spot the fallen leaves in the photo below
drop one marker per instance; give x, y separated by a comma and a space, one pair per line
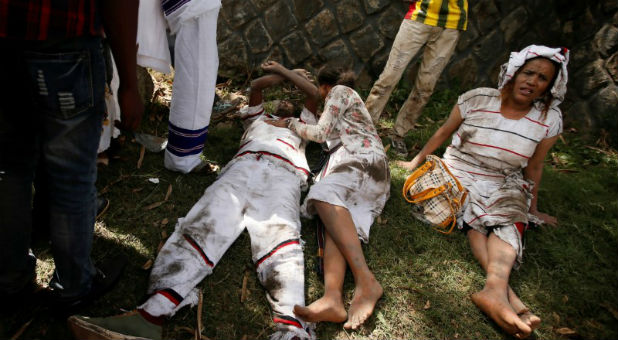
427, 305
21, 330
565, 331
147, 265
140, 161
244, 293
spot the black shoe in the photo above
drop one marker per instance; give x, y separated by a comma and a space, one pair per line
102, 206
107, 275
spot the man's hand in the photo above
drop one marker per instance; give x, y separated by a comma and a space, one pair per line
303, 73
273, 66
131, 109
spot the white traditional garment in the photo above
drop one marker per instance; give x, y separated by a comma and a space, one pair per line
152, 46
258, 190
356, 175
112, 111
196, 62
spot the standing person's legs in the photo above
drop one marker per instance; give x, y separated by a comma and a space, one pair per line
69, 78
410, 38
196, 63
340, 226
18, 125
439, 49
493, 299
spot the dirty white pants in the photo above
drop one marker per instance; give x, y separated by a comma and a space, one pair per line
255, 193
412, 35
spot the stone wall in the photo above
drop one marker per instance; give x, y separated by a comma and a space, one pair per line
359, 33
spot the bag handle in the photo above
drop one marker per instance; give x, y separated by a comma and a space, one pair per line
415, 175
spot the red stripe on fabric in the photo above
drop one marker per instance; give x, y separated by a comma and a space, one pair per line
157, 320
169, 297
81, 19
44, 20
199, 250
276, 156
537, 122
272, 252
32, 20
245, 143
287, 322
288, 144
486, 111
521, 227
499, 148
4, 10
411, 10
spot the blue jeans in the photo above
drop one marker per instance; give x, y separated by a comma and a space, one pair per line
51, 111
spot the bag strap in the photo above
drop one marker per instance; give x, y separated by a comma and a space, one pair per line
427, 194
454, 218
414, 176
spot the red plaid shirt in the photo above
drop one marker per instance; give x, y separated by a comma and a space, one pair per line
49, 19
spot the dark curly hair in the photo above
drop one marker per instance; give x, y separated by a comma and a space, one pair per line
333, 75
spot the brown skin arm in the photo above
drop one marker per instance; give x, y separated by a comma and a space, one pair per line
534, 172
439, 137
259, 84
120, 23
299, 78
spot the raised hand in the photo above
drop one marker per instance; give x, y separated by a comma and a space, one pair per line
273, 66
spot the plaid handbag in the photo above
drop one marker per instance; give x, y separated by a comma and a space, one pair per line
436, 194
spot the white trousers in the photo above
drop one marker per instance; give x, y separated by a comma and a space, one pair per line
196, 63
263, 197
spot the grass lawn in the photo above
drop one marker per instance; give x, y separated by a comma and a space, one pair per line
569, 276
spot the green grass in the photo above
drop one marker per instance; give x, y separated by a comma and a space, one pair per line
569, 276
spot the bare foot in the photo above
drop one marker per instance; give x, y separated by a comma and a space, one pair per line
529, 319
365, 298
323, 309
499, 310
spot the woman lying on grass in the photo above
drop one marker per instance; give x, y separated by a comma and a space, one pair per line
500, 139
350, 192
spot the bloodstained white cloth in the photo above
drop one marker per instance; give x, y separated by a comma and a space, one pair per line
256, 191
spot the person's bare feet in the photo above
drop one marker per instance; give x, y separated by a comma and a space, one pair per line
324, 309
529, 319
365, 298
498, 309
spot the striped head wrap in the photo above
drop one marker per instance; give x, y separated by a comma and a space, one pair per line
518, 59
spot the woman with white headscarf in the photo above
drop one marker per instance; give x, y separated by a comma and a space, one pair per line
500, 138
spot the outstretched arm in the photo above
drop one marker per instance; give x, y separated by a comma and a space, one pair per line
300, 79
444, 132
259, 84
534, 172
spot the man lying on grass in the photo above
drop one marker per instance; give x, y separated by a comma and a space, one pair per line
259, 189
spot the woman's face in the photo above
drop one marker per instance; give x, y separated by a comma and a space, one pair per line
324, 89
532, 80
